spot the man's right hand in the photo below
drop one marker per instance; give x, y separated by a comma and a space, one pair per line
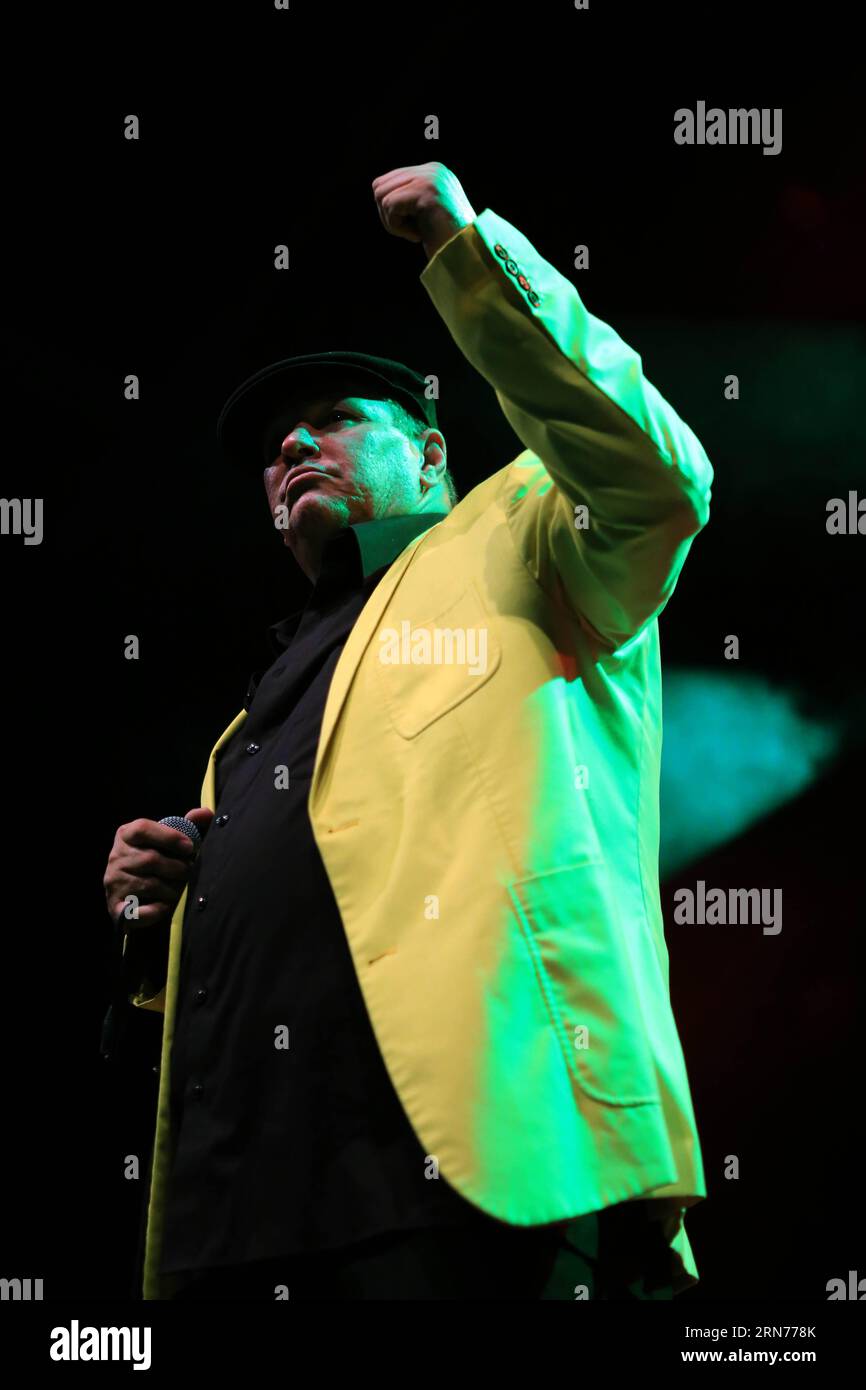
154, 863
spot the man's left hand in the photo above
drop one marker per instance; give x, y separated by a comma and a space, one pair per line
422, 202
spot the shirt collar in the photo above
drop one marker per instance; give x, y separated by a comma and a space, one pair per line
359, 550
381, 541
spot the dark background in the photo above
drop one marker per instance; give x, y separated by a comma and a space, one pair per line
156, 258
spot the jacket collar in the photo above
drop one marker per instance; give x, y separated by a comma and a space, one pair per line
356, 552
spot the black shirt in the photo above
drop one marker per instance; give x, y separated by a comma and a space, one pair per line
289, 1135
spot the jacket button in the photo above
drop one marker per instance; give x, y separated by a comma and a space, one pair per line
523, 282
253, 747
197, 1091
221, 820
201, 995
200, 903
533, 298
501, 251
512, 267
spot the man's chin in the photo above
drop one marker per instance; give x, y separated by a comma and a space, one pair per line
313, 514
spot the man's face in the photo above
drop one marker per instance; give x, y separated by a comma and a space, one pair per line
339, 458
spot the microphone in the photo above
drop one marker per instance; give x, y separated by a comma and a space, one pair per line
186, 827
110, 1027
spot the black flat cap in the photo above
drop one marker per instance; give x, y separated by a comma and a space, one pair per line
249, 414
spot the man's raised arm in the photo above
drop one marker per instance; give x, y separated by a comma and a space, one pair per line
597, 434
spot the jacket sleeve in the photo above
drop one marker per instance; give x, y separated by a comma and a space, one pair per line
146, 950
139, 975
144, 966
597, 434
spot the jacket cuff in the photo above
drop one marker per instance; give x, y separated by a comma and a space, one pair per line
144, 968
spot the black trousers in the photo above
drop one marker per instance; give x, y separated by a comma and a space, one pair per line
614, 1254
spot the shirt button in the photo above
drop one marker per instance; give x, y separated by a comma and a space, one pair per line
253, 748
200, 903
201, 995
197, 1091
221, 820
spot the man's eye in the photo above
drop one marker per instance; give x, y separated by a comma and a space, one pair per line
340, 412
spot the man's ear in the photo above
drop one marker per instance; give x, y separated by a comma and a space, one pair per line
435, 460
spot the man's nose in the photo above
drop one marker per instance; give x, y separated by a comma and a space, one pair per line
298, 444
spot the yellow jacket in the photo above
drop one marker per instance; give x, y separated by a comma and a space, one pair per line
490, 827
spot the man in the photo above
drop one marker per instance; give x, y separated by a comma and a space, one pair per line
417, 1029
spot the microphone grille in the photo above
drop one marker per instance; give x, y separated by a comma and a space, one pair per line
186, 827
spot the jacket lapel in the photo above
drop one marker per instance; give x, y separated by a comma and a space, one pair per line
208, 789
350, 657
